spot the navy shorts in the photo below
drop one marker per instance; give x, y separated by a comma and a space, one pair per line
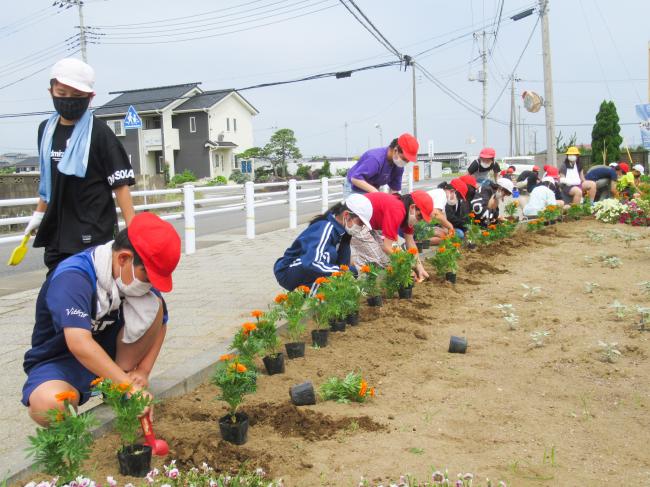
67, 368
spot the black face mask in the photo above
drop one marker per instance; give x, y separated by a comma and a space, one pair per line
71, 108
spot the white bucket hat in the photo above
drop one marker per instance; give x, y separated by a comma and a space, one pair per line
506, 184
74, 73
639, 167
360, 206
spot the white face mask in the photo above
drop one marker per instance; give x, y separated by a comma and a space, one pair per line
354, 230
572, 158
136, 288
397, 160
413, 218
451, 198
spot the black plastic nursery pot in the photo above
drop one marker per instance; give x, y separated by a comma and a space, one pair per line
405, 292
134, 460
420, 246
319, 338
546, 223
237, 432
303, 394
471, 245
426, 244
337, 325
274, 363
352, 319
450, 277
375, 301
457, 345
295, 349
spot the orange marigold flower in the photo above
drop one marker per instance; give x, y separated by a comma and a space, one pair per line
472, 215
304, 289
441, 249
227, 357
344, 268
389, 269
320, 297
396, 250
492, 227
248, 327
516, 203
337, 274
413, 251
365, 268
371, 392
124, 387
59, 416
477, 221
363, 388
66, 396
322, 280
281, 298
237, 367
486, 234
256, 313
97, 381
532, 222
456, 244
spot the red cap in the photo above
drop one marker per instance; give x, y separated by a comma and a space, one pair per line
469, 180
409, 146
552, 171
502, 173
424, 203
159, 247
535, 168
510, 170
488, 153
460, 186
623, 166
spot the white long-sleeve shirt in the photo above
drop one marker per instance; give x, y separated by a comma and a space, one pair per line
540, 197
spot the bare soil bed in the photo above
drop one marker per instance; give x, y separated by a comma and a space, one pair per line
555, 415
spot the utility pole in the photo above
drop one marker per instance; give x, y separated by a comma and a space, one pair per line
415, 117
551, 150
82, 29
484, 81
346, 141
519, 139
513, 116
648, 71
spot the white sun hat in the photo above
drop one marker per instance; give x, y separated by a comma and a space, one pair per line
360, 206
74, 73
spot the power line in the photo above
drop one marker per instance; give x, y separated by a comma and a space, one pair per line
31, 21
377, 36
593, 45
392, 48
2, 87
37, 54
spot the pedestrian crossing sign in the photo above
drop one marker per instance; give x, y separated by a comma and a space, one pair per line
132, 119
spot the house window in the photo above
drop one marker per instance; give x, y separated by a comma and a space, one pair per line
192, 124
152, 123
234, 124
160, 165
227, 125
117, 127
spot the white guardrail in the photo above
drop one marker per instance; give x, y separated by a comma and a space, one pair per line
324, 190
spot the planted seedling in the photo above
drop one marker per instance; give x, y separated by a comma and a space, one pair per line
645, 287
611, 261
509, 315
531, 291
595, 236
506, 309
588, 259
609, 351
645, 317
590, 287
538, 337
619, 308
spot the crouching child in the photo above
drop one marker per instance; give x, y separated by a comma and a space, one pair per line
100, 314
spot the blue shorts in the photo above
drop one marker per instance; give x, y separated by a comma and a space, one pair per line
67, 368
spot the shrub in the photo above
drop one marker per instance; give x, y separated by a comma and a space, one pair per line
218, 181
343, 172
186, 176
326, 171
238, 177
304, 171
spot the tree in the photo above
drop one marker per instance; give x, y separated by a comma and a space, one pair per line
326, 171
281, 147
253, 152
606, 135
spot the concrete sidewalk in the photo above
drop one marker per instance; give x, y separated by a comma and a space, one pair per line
214, 291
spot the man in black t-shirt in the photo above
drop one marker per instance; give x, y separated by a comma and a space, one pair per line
484, 168
77, 211
528, 179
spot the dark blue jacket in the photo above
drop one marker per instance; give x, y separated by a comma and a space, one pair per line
321, 248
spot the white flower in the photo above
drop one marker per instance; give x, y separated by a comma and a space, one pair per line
437, 476
260, 472
166, 485
111, 481
31, 484
173, 473
129, 485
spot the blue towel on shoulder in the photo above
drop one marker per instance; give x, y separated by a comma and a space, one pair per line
75, 158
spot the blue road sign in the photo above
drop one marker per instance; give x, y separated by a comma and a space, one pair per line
132, 119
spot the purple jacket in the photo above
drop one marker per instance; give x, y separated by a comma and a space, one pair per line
374, 168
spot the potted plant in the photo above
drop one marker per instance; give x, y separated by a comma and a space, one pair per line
350, 295
292, 308
352, 388
247, 343
445, 260
128, 405
320, 311
62, 448
370, 283
235, 380
511, 210
267, 336
423, 231
335, 293
399, 274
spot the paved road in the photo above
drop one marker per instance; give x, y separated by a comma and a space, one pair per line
30, 273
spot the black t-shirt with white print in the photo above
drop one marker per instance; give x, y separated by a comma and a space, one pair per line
81, 212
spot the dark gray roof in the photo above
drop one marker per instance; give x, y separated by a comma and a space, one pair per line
203, 100
145, 99
221, 144
30, 161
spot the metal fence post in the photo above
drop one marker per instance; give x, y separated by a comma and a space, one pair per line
325, 198
249, 195
410, 178
188, 214
293, 204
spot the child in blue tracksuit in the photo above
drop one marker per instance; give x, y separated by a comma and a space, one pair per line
324, 245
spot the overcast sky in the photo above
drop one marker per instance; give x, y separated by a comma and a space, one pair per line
599, 51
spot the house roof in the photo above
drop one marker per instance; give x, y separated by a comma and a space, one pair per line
208, 99
29, 161
146, 99
212, 143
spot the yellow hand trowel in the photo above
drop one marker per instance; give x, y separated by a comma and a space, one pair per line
19, 252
